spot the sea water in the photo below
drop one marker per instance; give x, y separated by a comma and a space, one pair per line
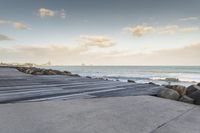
181, 75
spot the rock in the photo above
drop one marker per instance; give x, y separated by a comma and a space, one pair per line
180, 89
186, 99
169, 94
198, 84
192, 89
51, 72
151, 83
67, 73
131, 81
37, 73
75, 75
196, 96
88, 77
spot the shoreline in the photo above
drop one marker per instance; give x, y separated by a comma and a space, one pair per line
173, 92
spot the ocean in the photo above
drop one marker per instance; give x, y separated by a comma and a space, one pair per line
179, 75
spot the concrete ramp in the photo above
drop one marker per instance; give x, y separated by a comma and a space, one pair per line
133, 114
17, 87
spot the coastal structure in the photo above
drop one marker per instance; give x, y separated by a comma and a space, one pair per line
60, 103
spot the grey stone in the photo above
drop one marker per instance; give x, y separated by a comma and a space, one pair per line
196, 96
192, 89
130, 81
186, 99
169, 94
198, 84
179, 88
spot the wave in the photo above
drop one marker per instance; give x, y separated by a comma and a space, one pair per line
175, 79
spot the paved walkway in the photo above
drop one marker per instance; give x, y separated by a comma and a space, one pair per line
17, 87
131, 114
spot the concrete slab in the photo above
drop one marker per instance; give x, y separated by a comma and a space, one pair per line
189, 122
134, 114
10, 72
16, 86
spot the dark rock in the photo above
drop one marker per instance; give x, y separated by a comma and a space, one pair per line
198, 84
75, 75
88, 77
67, 73
196, 96
39, 71
186, 99
131, 81
169, 94
180, 89
151, 83
192, 89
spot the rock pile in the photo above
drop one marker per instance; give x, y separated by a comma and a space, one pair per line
41, 71
190, 94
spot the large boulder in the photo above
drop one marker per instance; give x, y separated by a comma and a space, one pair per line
196, 96
169, 94
198, 84
180, 89
186, 99
192, 89
67, 72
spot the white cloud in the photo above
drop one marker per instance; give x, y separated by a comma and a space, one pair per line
62, 14
141, 30
44, 12
188, 18
98, 41
5, 38
169, 29
190, 29
20, 26
15, 24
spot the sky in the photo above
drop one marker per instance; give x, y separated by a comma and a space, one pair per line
100, 32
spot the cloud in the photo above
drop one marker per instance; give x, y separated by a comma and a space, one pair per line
172, 29
15, 24
169, 29
5, 38
68, 55
190, 29
62, 14
3, 22
188, 18
44, 12
20, 26
188, 55
98, 41
141, 30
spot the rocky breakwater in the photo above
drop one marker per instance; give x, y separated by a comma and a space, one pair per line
42, 71
190, 94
